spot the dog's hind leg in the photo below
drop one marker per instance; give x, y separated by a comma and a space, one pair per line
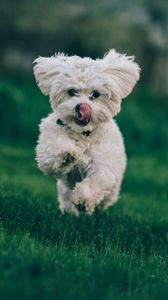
64, 198
111, 198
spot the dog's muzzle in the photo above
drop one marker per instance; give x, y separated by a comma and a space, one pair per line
82, 114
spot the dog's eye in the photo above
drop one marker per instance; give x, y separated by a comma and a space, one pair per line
94, 95
72, 92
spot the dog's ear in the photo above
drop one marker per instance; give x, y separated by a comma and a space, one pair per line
43, 73
123, 72
46, 69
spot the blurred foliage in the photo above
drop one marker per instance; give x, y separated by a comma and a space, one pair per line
21, 108
29, 29
87, 28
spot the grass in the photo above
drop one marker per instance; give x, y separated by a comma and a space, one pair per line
119, 255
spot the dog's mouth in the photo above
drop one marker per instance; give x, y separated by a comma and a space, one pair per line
82, 114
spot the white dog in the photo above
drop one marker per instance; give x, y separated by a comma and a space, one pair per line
79, 141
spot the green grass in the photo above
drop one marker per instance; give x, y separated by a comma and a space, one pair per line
121, 254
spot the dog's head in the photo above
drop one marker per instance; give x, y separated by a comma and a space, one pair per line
86, 92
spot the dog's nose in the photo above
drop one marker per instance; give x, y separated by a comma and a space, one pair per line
83, 112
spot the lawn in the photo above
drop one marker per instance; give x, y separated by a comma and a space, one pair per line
121, 254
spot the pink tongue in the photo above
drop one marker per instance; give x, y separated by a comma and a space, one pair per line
85, 112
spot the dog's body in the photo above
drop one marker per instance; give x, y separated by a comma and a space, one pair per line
79, 142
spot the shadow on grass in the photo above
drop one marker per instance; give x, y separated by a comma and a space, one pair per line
21, 213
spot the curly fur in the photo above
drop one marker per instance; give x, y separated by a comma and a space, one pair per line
89, 168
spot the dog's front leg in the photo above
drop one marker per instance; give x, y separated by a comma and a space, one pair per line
56, 153
55, 160
88, 193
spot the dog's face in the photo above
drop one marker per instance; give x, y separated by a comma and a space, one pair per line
86, 92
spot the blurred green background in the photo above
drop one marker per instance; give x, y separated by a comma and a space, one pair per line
122, 254
88, 28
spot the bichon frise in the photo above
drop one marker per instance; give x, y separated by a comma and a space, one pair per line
79, 141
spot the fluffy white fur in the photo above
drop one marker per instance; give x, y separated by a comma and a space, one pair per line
89, 169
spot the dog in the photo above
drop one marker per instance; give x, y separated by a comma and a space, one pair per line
79, 142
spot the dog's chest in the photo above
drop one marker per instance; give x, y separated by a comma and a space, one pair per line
86, 143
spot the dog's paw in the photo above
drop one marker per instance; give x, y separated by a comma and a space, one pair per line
83, 199
84, 205
68, 161
68, 207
